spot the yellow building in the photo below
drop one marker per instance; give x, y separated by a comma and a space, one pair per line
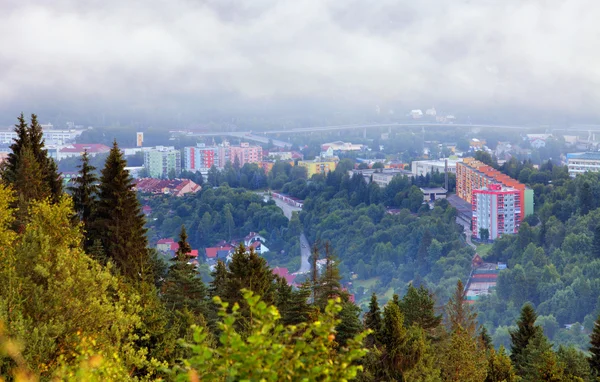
317, 167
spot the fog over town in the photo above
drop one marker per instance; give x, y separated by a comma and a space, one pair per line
185, 62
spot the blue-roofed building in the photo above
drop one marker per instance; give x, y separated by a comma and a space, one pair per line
579, 163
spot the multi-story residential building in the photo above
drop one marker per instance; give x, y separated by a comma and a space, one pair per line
472, 174
496, 209
579, 163
317, 166
200, 158
424, 167
382, 177
161, 161
245, 153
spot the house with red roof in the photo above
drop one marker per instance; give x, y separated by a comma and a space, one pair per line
164, 245
256, 241
176, 187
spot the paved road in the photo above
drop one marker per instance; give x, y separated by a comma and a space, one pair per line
287, 209
467, 227
304, 244
304, 255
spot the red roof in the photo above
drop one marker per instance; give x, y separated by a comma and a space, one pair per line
211, 253
174, 246
194, 253
283, 272
172, 186
147, 209
166, 241
255, 244
89, 147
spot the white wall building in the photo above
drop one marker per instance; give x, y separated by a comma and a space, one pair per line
424, 167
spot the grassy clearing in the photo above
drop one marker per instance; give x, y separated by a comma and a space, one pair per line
483, 249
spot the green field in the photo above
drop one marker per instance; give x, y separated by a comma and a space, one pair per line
483, 250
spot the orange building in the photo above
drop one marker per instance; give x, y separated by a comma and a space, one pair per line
472, 174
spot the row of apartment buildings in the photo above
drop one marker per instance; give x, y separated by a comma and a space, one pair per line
499, 203
161, 161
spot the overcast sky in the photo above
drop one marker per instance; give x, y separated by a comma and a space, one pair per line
144, 55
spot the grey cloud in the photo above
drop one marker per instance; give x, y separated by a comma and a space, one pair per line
151, 54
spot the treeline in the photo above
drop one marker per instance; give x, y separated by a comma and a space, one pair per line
216, 214
414, 243
553, 261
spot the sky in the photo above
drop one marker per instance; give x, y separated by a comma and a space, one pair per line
187, 57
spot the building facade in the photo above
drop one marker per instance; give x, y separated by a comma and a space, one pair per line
472, 174
579, 163
162, 161
199, 158
424, 167
497, 209
317, 167
245, 153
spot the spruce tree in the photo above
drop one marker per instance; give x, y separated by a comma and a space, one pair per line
29, 147
328, 284
183, 289
485, 339
118, 221
248, 270
84, 192
9, 167
349, 325
299, 310
29, 185
49, 168
220, 278
418, 306
595, 348
520, 337
458, 313
373, 321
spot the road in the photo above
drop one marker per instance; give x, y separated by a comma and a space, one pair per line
304, 244
467, 227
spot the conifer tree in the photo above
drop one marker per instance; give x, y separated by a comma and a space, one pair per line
394, 336
538, 362
459, 314
48, 165
29, 185
300, 310
596, 242
462, 359
595, 348
84, 191
520, 337
220, 279
485, 339
9, 167
373, 321
328, 284
248, 270
183, 289
28, 147
418, 306
499, 367
349, 325
118, 222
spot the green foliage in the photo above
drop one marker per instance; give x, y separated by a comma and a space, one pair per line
53, 295
521, 337
118, 222
84, 191
418, 306
270, 351
594, 348
499, 368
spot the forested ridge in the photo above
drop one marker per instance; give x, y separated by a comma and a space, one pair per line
82, 297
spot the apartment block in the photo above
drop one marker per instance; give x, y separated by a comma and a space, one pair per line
245, 153
472, 174
317, 167
579, 163
200, 158
497, 209
161, 161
